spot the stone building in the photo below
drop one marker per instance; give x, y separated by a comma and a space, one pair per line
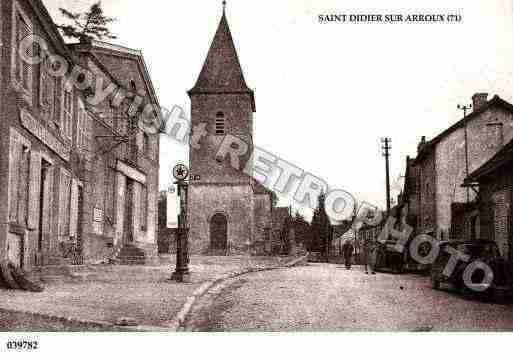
64, 199
442, 162
410, 195
494, 183
228, 212
122, 167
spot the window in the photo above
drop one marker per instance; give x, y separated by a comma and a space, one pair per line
46, 90
144, 207
146, 144
67, 112
19, 171
121, 121
220, 124
83, 127
21, 71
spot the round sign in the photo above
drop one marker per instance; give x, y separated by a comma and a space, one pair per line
180, 172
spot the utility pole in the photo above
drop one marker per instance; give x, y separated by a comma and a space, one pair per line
465, 109
386, 147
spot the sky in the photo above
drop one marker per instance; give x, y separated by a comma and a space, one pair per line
326, 93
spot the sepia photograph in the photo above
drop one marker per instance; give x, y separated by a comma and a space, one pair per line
337, 168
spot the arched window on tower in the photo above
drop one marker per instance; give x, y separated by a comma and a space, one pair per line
220, 124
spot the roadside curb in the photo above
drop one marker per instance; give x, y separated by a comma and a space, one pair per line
177, 323
62, 320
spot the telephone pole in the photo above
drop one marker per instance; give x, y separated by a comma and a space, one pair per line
386, 147
465, 109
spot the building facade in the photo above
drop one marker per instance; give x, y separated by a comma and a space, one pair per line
442, 162
227, 211
64, 199
494, 205
122, 212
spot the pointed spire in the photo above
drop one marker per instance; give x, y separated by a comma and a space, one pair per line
222, 72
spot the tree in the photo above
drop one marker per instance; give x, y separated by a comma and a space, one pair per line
321, 228
302, 231
87, 25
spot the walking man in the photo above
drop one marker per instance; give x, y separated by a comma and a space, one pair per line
367, 255
348, 249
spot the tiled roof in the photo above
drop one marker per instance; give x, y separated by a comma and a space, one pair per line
222, 72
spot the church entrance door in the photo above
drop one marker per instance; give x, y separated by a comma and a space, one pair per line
219, 233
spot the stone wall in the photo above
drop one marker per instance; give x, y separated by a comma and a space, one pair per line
427, 198
238, 114
483, 143
234, 201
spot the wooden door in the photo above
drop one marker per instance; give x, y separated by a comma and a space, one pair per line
128, 217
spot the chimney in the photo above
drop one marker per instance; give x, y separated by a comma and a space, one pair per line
421, 144
479, 100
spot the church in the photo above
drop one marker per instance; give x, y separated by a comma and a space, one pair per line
228, 211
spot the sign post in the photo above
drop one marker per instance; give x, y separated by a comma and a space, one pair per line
181, 273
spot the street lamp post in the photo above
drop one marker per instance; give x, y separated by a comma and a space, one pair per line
181, 273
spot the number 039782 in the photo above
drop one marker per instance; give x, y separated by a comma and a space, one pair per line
22, 345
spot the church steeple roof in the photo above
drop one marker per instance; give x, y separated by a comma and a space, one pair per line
221, 72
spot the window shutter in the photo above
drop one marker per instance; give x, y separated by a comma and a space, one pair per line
43, 88
23, 185
19, 38
51, 93
73, 218
67, 112
80, 125
144, 207
14, 168
34, 190
24, 31
64, 203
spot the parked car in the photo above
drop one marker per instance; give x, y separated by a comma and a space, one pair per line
315, 257
478, 250
386, 256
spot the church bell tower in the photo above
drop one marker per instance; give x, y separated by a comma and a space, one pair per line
220, 197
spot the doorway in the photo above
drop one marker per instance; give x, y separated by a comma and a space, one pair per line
43, 211
219, 232
78, 258
128, 236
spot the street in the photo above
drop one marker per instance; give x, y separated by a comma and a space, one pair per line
329, 297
